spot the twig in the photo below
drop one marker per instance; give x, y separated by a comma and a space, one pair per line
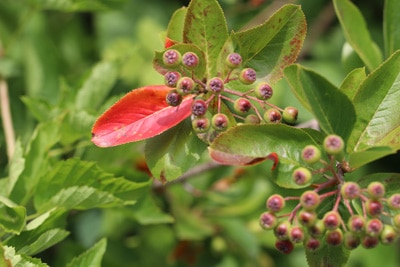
6, 118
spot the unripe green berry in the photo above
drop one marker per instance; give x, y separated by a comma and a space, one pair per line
301, 176
388, 235
333, 144
215, 85
248, 76
309, 200
268, 221
317, 230
351, 240
275, 203
242, 105
220, 122
290, 114
334, 237
376, 190
185, 85
272, 116
172, 57
263, 91
199, 107
331, 220
171, 78
252, 119
350, 190
201, 125
396, 221
173, 98
311, 154
233, 60
190, 60
394, 201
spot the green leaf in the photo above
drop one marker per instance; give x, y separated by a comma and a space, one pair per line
176, 25
97, 86
40, 109
360, 158
332, 108
82, 185
332, 256
16, 166
78, 5
44, 241
391, 22
356, 33
377, 108
205, 26
275, 44
172, 153
17, 260
147, 212
352, 81
12, 216
258, 141
92, 257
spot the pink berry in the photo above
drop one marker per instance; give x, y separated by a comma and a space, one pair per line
374, 227
171, 78
199, 107
248, 76
275, 203
376, 190
268, 220
350, 190
263, 91
331, 220
201, 125
242, 105
282, 230
301, 176
356, 224
233, 60
333, 144
311, 154
215, 85
296, 234
220, 122
185, 85
173, 98
394, 202
307, 218
190, 60
172, 57
309, 200
374, 207
272, 115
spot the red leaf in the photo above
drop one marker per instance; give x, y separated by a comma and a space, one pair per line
169, 42
140, 114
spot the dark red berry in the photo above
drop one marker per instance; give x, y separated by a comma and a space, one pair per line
233, 60
263, 91
220, 122
275, 203
376, 190
374, 207
215, 85
172, 57
312, 244
242, 105
350, 190
333, 144
171, 78
282, 230
301, 176
374, 227
311, 154
272, 115
369, 241
388, 235
284, 246
290, 114
317, 230
394, 202
199, 107
307, 218
173, 98
190, 60
296, 234
334, 237
268, 221
248, 76
201, 125
185, 85
351, 240
356, 224
309, 200
331, 220
252, 119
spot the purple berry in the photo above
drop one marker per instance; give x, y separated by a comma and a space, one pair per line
248, 76
201, 125
190, 60
309, 200
173, 98
301, 176
185, 85
268, 221
242, 105
215, 85
233, 60
331, 220
275, 203
290, 114
220, 122
272, 115
311, 154
284, 246
172, 57
376, 190
199, 107
333, 144
350, 190
263, 91
394, 202
171, 78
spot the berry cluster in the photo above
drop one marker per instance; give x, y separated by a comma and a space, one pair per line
359, 216
245, 106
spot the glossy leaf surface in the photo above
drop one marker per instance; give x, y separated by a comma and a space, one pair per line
140, 114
